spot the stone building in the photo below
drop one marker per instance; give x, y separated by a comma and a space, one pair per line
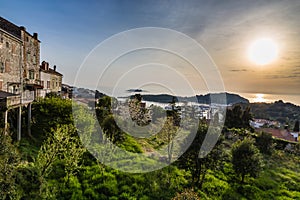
51, 80
10, 57
19, 61
19, 69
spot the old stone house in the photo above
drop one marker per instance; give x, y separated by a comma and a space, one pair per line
19, 61
51, 80
20, 81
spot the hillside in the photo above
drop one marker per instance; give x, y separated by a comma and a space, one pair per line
278, 110
204, 99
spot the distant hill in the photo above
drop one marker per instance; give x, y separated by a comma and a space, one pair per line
278, 110
205, 99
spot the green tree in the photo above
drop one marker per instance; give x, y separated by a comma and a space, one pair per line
49, 112
62, 145
296, 127
246, 159
107, 120
9, 161
238, 118
264, 142
199, 166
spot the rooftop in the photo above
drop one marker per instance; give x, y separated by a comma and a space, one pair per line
10, 27
51, 71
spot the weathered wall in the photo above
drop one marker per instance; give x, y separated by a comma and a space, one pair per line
10, 61
31, 57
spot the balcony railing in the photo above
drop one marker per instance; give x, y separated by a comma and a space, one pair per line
33, 81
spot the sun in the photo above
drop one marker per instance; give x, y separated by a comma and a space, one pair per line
263, 51
259, 98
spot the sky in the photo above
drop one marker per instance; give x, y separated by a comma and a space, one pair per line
71, 31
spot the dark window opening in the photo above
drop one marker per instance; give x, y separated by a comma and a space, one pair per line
31, 74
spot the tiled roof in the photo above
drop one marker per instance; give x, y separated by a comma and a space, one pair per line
10, 27
283, 134
51, 71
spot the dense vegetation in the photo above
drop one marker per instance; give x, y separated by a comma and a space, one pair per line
53, 164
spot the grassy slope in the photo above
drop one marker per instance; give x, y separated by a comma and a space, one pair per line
279, 180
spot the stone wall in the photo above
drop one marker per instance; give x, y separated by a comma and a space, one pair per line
31, 57
10, 62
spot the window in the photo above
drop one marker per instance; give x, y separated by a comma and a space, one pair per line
1, 38
42, 83
34, 59
28, 56
48, 84
7, 45
13, 48
27, 39
1, 67
31, 74
7, 66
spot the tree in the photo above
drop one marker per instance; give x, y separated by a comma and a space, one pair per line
264, 142
199, 166
246, 159
107, 121
296, 127
62, 145
9, 160
48, 113
238, 118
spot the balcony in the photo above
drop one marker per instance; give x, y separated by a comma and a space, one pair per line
8, 100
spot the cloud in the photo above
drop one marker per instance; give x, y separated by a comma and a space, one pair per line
294, 76
136, 90
238, 70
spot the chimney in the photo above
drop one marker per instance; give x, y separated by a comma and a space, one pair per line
43, 65
35, 36
22, 28
54, 67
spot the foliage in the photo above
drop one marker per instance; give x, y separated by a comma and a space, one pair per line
56, 166
9, 160
47, 113
278, 110
246, 159
62, 144
238, 118
264, 142
107, 121
296, 127
61, 147
198, 166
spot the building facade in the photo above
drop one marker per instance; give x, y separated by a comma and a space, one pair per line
51, 80
10, 58
20, 75
19, 61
